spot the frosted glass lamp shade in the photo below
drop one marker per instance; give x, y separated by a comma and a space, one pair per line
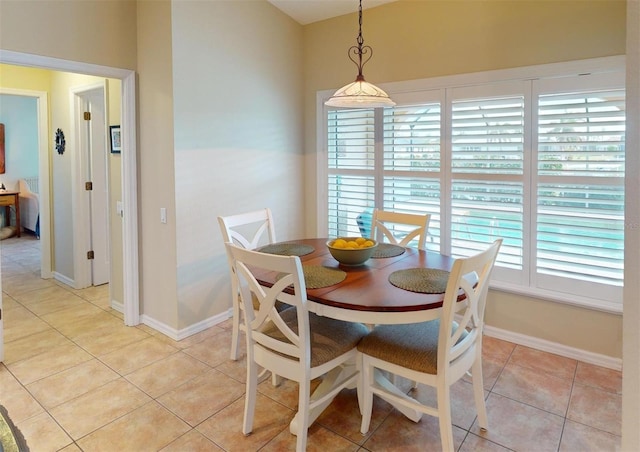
360, 94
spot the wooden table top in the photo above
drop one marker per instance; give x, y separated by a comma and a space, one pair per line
366, 295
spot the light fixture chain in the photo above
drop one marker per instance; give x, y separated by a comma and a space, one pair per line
360, 50
360, 39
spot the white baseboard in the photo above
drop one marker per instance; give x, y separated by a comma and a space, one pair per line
118, 306
178, 335
64, 280
555, 348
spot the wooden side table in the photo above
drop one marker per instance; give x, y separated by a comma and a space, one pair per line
8, 199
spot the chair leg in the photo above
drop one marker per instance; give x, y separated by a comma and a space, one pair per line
235, 333
366, 406
250, 396
360, 382
444, 415
478, 392
304, 396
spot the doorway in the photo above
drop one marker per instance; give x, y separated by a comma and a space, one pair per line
131, 302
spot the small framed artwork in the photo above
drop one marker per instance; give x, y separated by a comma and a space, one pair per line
2, 163
116, 142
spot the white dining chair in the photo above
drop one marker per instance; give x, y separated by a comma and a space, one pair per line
392, 227
248, 230
436, 353
293, 343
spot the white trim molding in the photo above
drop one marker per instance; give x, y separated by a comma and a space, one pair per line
178, 335
555, 348
63, 279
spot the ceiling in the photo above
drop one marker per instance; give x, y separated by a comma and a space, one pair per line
309, 11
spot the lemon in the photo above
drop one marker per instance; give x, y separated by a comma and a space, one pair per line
340, 243
360, 240
368, 244
352, 244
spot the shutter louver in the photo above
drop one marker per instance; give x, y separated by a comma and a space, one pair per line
351, 139
481, 212
487, 163
581, 134
581, 232
580, 217
487, 135
350, 165
412, 138
417, 196
412, 143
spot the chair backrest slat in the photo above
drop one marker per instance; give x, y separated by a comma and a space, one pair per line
290, 289
470, 278
248, 229
386, 224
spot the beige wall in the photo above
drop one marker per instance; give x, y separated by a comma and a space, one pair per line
414, 40
238, 136
572, 326
98, 32
156, 189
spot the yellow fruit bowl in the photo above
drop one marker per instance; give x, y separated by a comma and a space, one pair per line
351, 250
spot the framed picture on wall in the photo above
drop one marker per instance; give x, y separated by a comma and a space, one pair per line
116, 142
2, 168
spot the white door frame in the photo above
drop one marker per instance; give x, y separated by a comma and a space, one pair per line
81, 217
131, 280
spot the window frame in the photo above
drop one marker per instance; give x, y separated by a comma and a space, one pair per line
416, 91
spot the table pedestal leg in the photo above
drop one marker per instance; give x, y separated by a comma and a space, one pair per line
383, 382
333, 378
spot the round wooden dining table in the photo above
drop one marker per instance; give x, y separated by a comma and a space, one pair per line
366, 295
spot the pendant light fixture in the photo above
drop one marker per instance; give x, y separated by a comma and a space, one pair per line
360, 94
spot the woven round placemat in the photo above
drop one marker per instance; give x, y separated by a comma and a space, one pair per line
387, 250
317, 276
287, 249
421, 280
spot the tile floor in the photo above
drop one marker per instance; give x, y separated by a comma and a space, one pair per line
76, 378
